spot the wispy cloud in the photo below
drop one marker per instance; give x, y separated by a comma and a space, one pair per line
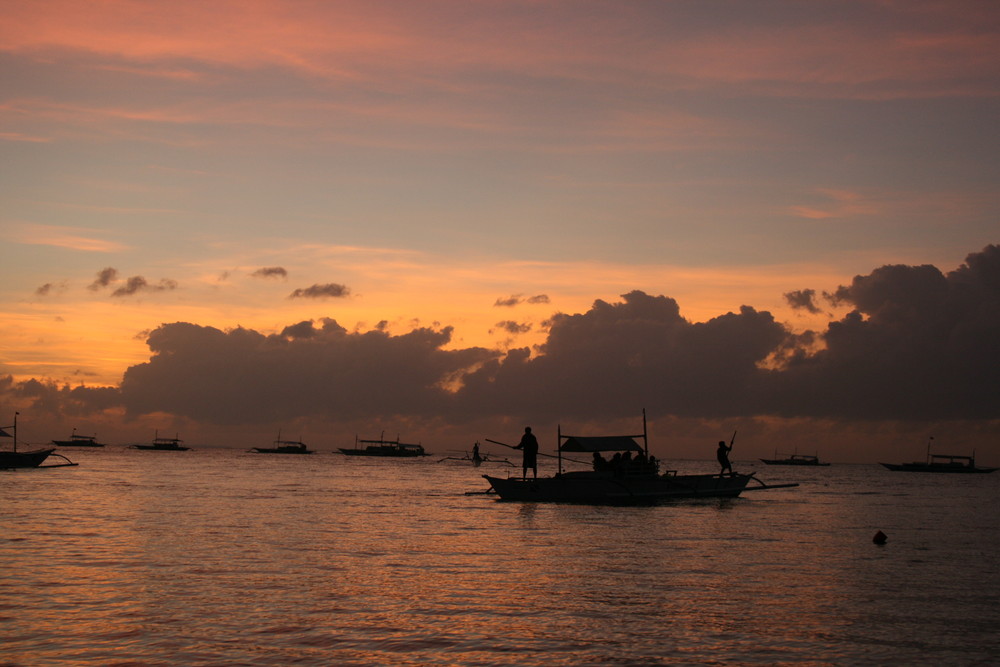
270, 272
63, 237
136, 284
328, 290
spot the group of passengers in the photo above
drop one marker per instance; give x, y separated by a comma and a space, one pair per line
626, 464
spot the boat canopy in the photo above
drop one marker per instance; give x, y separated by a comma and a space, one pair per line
600, 443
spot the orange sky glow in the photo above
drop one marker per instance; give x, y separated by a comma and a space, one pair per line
494, 169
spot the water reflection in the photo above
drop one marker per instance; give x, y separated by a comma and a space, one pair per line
223, 558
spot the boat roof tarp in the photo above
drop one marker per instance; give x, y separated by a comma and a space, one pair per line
600, 443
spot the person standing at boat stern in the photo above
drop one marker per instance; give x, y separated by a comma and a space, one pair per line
722, 453
529, 459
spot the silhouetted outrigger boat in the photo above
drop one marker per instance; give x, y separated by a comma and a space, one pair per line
78, 441
623, 480
163, 444
795, 460
941, 463
284, 447
383, 447
476, 458
32, 458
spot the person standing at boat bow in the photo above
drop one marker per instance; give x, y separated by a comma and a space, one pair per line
529, 447
722, 454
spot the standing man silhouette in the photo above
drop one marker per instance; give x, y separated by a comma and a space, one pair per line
722, 453
528, 445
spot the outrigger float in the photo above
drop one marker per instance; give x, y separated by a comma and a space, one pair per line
623, 480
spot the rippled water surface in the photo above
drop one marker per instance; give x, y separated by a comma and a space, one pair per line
217, 557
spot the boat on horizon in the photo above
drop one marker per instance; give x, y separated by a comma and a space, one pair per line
940, 463
476, 457
632, 477
78, 441
383, 447
284, 447
32, 458
794, 460
163, 444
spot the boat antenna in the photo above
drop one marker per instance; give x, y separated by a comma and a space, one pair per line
645, 440
559, 440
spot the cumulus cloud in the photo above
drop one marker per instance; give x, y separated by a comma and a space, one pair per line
329, 290
245, 376
48, 397
639, 352
916, 344
270, 272
137, 284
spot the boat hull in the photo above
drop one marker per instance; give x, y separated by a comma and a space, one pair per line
77, 443
161, 448
280, 450
394, 453
604, 488
932, 467
792, 462
29, 459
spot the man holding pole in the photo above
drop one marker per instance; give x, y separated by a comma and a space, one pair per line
722, 454
529, 447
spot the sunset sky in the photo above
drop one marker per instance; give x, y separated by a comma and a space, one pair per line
448, 219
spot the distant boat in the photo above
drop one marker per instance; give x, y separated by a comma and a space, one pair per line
475, 458
795, 460
383, 447
78, 441
32, 458
625, 480
940, 463
284, 447
163, 444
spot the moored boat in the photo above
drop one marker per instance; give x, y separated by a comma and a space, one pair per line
32, 458
794, 460
622, 480
78, 441
163, 444
383, 447
283, 447
941, 463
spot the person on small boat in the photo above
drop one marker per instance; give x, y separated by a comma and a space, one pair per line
529, 459
722, 454
476, 458
599, 462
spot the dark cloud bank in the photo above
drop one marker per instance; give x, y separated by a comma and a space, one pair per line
916, 344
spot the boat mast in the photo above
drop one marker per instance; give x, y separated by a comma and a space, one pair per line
15, 431
559, 445
645, 440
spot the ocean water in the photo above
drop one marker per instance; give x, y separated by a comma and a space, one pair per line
220, 557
